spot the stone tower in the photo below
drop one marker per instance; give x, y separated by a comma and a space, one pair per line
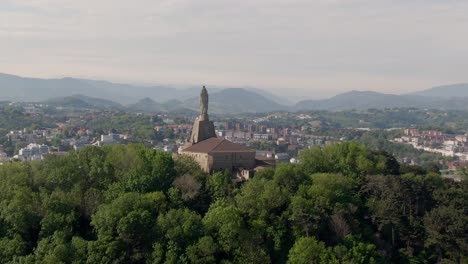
203, 128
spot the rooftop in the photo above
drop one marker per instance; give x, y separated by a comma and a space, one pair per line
217, 145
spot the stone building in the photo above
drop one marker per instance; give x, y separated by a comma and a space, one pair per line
216, 154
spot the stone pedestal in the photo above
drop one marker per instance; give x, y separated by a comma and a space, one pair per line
202, 130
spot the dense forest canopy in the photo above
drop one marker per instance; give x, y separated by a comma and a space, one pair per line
129, 204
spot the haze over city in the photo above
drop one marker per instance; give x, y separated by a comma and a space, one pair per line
314, 49
222, 131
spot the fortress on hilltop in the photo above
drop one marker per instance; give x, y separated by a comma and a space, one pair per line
217, 154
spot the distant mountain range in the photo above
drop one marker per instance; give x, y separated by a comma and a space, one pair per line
82, 101
447, 91
237, 100
232, 100
17, 88
451, 97
148, 105
82, 93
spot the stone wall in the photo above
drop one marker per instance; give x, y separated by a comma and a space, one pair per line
202, 130
201, 158
230, 160
218, 161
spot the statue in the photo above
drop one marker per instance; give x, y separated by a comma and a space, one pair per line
203, 128
204, 104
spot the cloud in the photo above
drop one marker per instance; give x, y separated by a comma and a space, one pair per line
306, 46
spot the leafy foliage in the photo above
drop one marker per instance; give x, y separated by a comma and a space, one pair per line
344, 203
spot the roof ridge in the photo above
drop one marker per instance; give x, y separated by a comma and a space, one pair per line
217, 145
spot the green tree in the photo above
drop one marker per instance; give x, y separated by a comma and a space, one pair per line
313, 205
290, 176
220, 185
12, 247
126, 227
264, 203
180, 226
225, 224
446, 225
447, 232
354, 251
203, 252
464, 172
385, 203
307, 250
156, 173
60, 214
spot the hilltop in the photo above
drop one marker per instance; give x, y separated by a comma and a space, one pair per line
82, 93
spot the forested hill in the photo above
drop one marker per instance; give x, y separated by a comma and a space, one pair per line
362, 100
129, 204
446, 91
83, 93
18, 88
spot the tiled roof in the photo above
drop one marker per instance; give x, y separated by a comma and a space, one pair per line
217, 145
261, 161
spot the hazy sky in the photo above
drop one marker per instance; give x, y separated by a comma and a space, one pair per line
314, 48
